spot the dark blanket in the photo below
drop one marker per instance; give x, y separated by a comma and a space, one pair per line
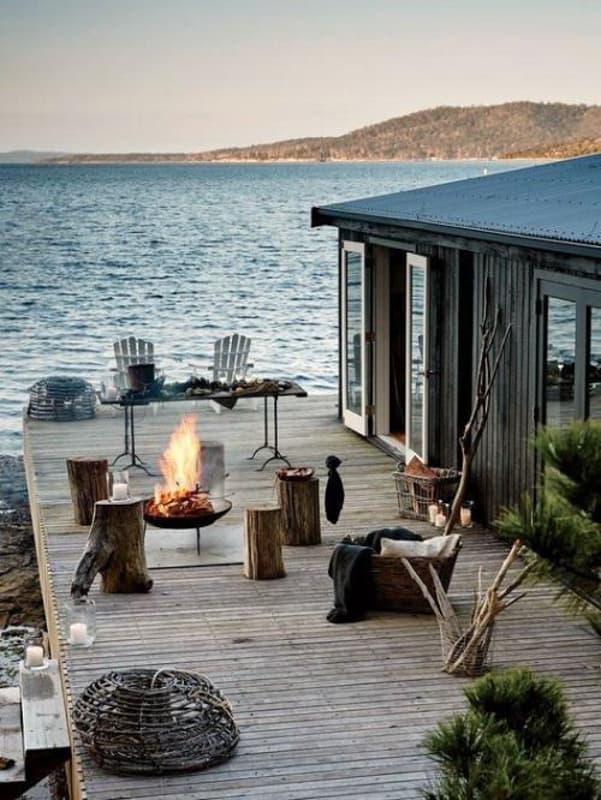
349, 568
334, 496
374, 538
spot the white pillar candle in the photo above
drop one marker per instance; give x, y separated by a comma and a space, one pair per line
465, 516
440, 520
34, 656
432, 512
78, 633
119, 491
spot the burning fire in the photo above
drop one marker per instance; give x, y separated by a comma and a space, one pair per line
180, 493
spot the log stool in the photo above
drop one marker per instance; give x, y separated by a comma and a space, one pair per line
262, 543
87, 481
115, 548
299, 501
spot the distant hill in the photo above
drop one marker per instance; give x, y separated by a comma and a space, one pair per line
446, 132
29, 156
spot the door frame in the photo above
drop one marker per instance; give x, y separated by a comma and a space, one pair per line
417, 262
356, 422
581, 292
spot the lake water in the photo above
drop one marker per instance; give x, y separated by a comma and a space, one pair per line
180, 255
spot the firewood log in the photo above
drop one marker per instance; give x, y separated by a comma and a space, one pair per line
262, 543
299, 501
87, 481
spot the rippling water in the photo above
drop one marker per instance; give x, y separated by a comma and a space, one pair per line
181, 255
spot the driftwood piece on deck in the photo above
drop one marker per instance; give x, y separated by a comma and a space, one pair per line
465, 651
87, 481
262, 543
115, 548
299, 501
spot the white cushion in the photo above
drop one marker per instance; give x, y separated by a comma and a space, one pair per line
436, 547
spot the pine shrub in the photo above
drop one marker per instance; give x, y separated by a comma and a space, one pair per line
514, 742
562, 528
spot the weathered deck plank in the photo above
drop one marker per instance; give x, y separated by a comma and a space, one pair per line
325, 711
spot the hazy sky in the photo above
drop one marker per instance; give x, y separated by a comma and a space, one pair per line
186, 75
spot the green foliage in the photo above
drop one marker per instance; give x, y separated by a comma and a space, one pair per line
515, 742
572, 457
563, 528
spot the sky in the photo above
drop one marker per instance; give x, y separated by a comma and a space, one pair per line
191, 75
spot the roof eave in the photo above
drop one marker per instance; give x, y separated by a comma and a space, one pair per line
332, 216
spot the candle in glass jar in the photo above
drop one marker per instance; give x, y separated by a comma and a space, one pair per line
119, 491
432, 512
34, 656
440, 520
465, 516
78, 633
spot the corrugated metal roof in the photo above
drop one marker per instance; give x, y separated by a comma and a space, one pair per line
558, 201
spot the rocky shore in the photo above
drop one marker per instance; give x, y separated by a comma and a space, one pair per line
20, 597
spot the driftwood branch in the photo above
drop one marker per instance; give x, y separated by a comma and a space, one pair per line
465, 651
474, 428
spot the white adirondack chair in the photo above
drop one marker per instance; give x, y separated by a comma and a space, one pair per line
230, 362
130, 351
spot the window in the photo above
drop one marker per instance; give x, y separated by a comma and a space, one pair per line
570, 347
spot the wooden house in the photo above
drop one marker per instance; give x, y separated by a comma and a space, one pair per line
414, 270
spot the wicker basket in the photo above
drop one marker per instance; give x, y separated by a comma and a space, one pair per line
395, 589
415, 493
151, 722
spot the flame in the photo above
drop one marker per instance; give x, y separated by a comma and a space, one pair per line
180, 463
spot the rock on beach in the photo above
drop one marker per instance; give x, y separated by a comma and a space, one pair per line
20, 596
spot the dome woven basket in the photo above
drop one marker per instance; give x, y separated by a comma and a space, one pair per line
61, 399
151, 722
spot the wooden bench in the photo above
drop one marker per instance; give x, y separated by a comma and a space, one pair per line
33, 730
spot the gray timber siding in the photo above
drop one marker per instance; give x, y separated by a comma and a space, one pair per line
504, 466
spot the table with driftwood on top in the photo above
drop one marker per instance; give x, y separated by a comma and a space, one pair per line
265, 389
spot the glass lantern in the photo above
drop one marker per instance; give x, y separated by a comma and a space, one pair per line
465, 514
117, 484
35, 652
81, 622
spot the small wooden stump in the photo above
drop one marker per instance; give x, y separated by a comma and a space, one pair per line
87, 481
115, 548
262, 543
299, 501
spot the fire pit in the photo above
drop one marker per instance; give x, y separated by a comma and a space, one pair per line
180, 502
217, 508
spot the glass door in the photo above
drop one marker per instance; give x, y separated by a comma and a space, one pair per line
416, 395
354, 315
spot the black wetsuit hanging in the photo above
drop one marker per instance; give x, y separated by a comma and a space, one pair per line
334, 498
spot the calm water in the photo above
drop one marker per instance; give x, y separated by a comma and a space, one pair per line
181, 255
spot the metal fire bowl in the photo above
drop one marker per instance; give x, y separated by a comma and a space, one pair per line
220, 505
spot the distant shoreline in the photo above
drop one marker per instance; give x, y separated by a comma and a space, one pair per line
108, 161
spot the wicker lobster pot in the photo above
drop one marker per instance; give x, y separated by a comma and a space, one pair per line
395, 589
415, 492
152, 722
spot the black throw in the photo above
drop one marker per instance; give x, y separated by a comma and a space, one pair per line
349, 568
334, 498
374, 538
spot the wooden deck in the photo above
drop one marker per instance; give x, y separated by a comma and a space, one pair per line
325, 711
